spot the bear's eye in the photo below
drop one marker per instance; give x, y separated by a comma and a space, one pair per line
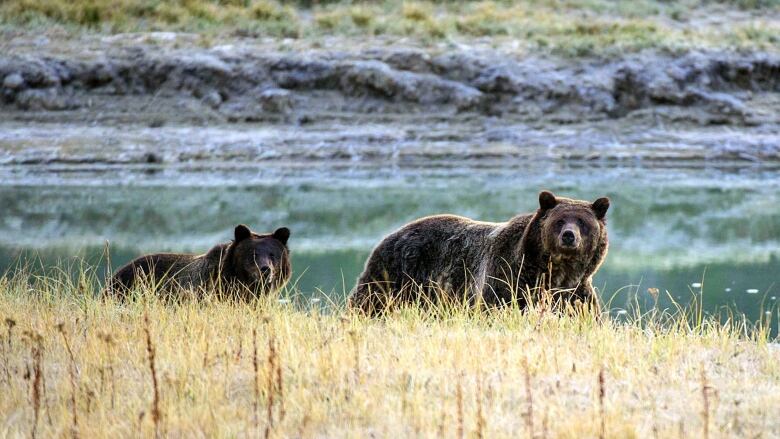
583, 226
560, 223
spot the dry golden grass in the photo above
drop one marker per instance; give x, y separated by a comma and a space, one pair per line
270, 369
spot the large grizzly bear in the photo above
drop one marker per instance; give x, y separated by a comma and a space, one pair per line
557, 249
250, 264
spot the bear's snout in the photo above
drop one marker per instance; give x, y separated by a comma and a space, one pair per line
263, 271
569, 238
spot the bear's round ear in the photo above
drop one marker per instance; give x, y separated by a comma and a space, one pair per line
547, 200
282, 234
600, 206
241, 233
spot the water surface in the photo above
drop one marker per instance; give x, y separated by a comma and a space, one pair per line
671, 228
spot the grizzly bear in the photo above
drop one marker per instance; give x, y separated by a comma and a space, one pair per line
249, 265
556, 249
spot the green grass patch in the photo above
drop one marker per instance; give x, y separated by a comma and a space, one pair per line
569, 27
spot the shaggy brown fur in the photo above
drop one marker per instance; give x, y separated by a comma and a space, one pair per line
250, 264
558, 249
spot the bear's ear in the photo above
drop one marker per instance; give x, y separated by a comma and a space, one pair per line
547, 200
241, 233
282, 234
600, 206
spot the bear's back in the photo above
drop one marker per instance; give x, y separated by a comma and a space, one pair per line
160, 268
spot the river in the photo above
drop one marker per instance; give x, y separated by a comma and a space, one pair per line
692, 229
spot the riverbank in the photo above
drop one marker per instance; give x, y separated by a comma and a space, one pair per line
137, 81
246, 80
156, 97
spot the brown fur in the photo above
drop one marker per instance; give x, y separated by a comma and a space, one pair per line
496, 263
250, 264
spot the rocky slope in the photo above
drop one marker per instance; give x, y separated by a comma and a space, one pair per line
155, 85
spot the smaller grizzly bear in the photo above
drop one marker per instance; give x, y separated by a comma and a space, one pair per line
556, 249
251, 264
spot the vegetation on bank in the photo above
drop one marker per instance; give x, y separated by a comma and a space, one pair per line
573, 27
74, 364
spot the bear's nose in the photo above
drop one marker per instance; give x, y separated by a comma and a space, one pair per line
568, 237
265, 270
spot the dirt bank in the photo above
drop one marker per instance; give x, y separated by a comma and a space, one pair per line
154, 82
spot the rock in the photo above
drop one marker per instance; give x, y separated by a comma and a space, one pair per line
293, 73
629, 88
374, 78
13, 81
460, 67
43, 99
412, 60
664, 89
724, 103
99, 74
276, 100
239, 109
205, 63
497, 80
599, 100
41, 72
212, 99
361, 78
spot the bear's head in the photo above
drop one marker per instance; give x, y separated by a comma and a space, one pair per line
260, 262
572, 229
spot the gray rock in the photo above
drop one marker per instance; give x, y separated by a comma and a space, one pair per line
374, 78
212, 99
276, 100
41, 72
293, 73
498, 79
43, 99
205, 63
13, 81
412, 60
724, 103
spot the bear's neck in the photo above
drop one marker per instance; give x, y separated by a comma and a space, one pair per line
509, 240
217, 263
564, 273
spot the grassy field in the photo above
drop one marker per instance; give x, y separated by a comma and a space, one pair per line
567, 27
76, 365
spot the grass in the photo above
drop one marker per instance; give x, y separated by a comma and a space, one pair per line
75, 365
567, 27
